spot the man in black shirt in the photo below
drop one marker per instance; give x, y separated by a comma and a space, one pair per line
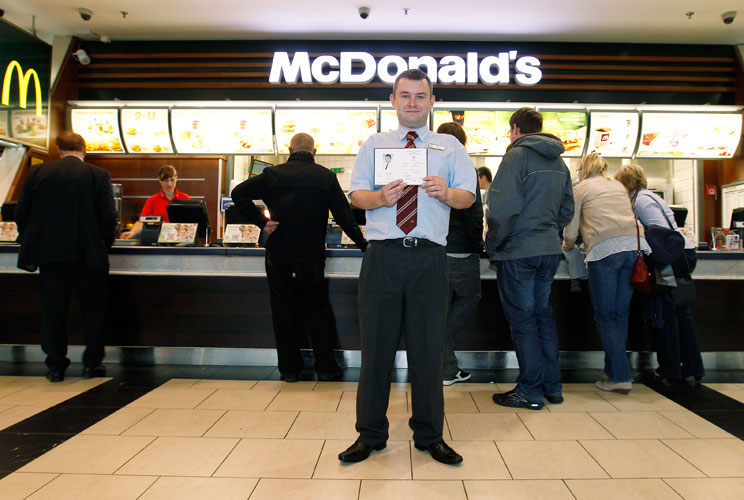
299, 194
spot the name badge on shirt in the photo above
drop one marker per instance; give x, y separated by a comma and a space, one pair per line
437, 147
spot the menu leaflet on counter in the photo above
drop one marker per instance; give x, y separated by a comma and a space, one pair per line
613, 133
689, 135
222, 131
100, 129
28, 127
335, 131
479, 126
570, 127
146, 130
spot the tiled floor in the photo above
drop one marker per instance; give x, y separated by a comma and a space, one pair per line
209, 438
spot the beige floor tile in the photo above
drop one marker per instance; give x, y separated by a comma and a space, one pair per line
581, 401
324, 425
723, 387
85, 454
394, 462
37, 395
621, 489
93, 487
459, 402
484, 402
715, 457
306, 489
7, 390
398, 402
174, 422
180, 456
5, 407
200, 488
85, 384
277, 385
708, 488
695, 425
225, 384
253, 424
336, 386
579, 388
400, 386
472, 387
549, 460
119, 421
277, 458
431, 490
15, 414
639, 425
481, 460
486, 427
517, 490
560, 426
179, 383
640, 401
639, 459
172, 398
20, 485
306, 401
235, 399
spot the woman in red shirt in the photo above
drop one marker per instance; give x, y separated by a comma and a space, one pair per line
156, 204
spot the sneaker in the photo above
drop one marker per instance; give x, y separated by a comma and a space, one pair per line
514, 400
460, 377
621, 387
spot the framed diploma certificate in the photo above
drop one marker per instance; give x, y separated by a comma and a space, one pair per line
408, 164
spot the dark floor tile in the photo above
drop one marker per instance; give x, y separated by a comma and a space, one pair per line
113, 393
698, 397
16, 450
731, 421
61, 420
243, 372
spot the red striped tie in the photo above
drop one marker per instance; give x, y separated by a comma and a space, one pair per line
405, 216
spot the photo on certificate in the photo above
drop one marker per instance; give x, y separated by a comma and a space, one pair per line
396, 163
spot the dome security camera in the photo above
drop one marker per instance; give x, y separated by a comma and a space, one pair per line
81, 56
364, 12
728, 17
85, 14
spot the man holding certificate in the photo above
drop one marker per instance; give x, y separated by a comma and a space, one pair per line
403, 280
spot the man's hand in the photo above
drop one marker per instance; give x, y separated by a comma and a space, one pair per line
126, 235
435, 187
270, 226
391, 192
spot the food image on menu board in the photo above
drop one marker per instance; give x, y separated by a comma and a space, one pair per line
479, 127
4, 123
689, 135
146, 130
335, 131
99, 128
388, 120
28, 127
613, 133
570, 127
224, 131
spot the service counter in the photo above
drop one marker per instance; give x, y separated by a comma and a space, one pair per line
218, 297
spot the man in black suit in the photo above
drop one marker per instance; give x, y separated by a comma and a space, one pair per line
67, 220
299, 194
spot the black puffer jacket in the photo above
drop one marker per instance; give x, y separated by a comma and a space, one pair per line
466, 228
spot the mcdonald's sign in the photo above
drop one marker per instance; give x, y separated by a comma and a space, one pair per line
24, 79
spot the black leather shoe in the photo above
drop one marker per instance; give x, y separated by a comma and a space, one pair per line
55, 376
441, 453
330, 376
290, 377
96, 371
359, 451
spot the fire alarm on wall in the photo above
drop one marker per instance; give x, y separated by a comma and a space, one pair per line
711, 191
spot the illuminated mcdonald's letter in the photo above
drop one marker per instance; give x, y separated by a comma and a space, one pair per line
23, 81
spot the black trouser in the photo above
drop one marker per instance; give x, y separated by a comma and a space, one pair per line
316, 310
57, 282
402, 289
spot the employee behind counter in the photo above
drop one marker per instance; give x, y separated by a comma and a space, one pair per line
157, 203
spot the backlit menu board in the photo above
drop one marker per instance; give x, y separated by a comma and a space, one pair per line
4, 123
146, 130
613, 133
100, 129
336, 131
570, 127
479, 127
689, 135
388, 120
27, 126
222, 131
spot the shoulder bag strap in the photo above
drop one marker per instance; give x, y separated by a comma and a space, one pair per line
663, 212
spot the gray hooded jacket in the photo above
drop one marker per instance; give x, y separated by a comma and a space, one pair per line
530, 200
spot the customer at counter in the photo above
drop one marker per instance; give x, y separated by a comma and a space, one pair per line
676, 342
299, 194
608, 228
157, 203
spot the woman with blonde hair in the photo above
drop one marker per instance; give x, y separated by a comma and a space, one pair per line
677, 349
605, 218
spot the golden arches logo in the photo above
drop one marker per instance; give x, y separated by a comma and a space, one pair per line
23, 81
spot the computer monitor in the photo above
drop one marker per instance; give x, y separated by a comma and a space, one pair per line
8, 211
737, 218
680, 215
257, 166
189, 212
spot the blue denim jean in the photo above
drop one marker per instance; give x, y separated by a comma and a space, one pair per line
524, 289
611, 291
